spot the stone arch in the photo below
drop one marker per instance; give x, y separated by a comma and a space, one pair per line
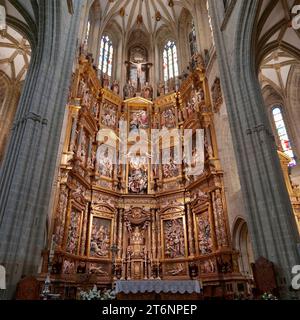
113, 31
5, 98
93, 17
27, 27
162, 36
4, 87
293, 95
274, 98
270, 215
242, 243
185, 25
14, 63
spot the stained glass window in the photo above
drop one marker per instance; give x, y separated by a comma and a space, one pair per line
283, 134
193, 40
106, 56
170, 61
88, 30
210, 23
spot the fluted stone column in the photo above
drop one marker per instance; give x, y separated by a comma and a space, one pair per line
28, 170
271, 219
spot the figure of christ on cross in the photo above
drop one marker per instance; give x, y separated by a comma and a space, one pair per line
139, 67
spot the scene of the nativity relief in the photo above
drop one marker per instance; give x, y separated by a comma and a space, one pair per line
127, 205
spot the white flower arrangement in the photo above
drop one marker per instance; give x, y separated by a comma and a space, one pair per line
268, 296
95, 294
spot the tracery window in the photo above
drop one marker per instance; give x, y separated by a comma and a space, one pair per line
210, 23
193, 40
170, 58
283, 134
88, 30
106, 56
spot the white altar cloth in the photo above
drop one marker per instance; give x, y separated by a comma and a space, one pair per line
158, 286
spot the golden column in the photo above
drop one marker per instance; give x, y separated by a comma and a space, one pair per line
189, 217
120, 232
154, 233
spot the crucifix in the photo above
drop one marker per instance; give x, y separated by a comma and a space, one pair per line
139, 66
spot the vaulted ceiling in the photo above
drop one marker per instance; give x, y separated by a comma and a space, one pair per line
151, 14
274, 28
278, 44
275, 70
15, 55
15, 49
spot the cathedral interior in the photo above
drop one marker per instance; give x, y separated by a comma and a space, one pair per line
99, 101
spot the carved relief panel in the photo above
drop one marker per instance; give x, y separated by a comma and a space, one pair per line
174, 238
100, 237
204, 236
74, 231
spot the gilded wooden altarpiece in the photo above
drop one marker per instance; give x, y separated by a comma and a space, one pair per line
137, 221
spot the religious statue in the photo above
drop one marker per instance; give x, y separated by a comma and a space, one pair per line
100, 239
97, 269
205, 240
176, 269
168, 119
174, 238
147, 92
72, 241
139, 120
138, 181
115, 87
139, 69
161, 89
82, 88
86, 98
138, 175
106, 164
109, 115
105, 81
129, 90
136, 237
170, 170
200, 96
137, 242
192, 105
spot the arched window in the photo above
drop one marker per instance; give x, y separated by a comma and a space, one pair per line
170, 61
193, 40
282, 134
88, 30
106, 56
210, 23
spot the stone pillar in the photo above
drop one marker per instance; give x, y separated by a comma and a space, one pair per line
28, 170
271, 220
